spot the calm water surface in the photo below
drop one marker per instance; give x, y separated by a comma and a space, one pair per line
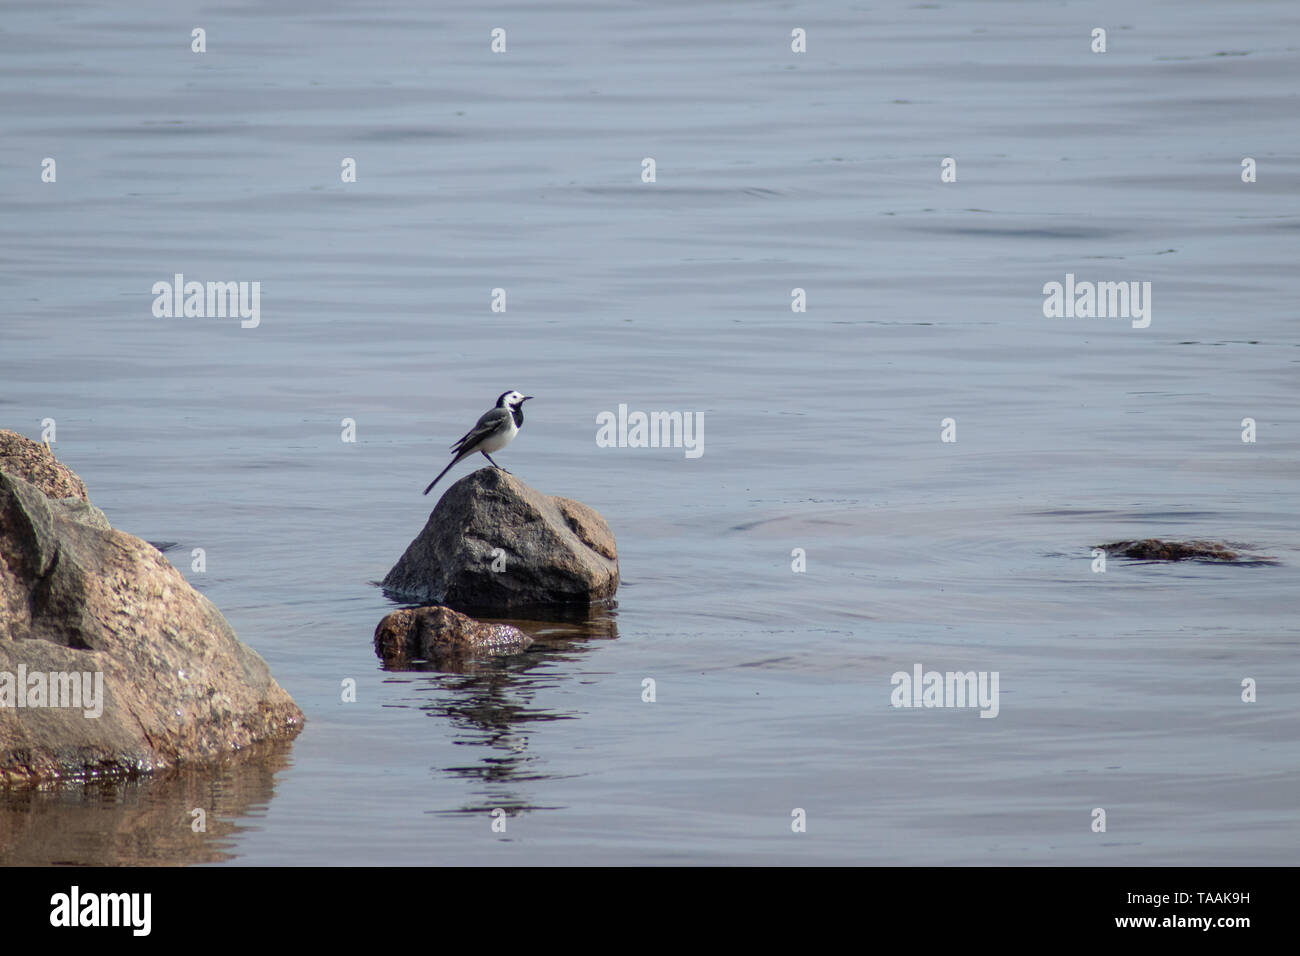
774, 171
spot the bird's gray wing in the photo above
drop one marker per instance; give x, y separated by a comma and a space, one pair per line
492, 421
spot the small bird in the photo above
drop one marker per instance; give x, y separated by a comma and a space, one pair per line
496, 429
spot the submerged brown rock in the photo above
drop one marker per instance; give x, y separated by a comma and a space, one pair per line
494, 543
1153, 549
110, 663
443, 637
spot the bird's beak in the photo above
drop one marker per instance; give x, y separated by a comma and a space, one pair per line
524, 399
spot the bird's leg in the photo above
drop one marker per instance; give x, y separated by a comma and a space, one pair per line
494, 464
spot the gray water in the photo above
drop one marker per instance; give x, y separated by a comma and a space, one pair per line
775, 170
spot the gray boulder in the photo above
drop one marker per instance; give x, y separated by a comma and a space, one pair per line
110, 663
552, 551
444, 638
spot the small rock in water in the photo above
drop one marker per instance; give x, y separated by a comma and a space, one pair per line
1153, 549
443, 637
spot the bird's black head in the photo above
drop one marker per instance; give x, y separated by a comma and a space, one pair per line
515, 402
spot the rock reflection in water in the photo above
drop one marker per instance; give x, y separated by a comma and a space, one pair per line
146, 821
490, 703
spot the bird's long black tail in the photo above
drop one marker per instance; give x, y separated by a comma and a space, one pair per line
441, 473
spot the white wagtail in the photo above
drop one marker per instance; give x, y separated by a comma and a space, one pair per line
496, 429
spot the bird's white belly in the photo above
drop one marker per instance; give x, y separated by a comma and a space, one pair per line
498, 441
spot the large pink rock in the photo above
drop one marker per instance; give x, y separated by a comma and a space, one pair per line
80, 598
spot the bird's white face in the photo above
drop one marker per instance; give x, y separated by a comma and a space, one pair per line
514, 398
